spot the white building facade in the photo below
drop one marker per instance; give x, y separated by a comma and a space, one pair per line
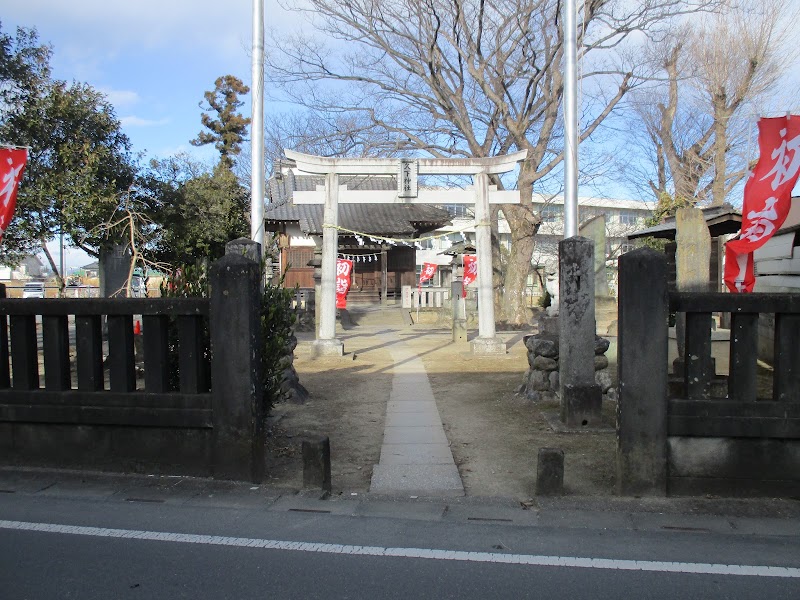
621, 216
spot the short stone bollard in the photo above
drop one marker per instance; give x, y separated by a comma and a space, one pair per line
550, 472
317, 462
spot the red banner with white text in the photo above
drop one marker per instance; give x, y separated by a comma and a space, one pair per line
344, 268
427, 273
767, 197
12, 165
470, 271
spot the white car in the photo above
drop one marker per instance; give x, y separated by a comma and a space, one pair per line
33, 289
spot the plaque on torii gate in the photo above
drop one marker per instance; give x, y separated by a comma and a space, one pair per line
481, 194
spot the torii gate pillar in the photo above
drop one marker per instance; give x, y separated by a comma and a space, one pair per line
487, 341
326, 343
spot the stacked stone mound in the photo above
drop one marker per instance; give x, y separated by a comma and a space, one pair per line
541, 379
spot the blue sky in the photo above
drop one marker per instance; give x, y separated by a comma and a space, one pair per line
153, 59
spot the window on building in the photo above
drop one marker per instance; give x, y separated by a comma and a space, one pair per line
459, 210
551, 213
589, 212
429, 244
628, 217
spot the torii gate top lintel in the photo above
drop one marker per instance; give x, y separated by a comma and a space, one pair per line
309, 163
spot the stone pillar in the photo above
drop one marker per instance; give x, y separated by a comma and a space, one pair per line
316, 452
595, 230
581, 398
692, 262
605, 307
326, 342
384, 276
642, 404
237, 390
487, 342
114, 267
459, 313
316, 262
244, 247
550, 472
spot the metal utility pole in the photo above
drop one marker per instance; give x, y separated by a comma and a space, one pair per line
570, 119
257, 128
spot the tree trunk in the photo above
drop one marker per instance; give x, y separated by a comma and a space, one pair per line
721, 116
523, 225
59, 276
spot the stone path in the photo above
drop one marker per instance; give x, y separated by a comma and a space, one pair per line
415, 456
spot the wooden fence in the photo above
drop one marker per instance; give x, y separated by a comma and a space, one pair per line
91, 409
675, 436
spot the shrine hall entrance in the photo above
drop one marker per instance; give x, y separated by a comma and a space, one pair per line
367, 283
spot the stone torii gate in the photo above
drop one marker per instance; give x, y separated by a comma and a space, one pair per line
481, 194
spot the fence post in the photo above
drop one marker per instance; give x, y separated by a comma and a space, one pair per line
642, 355
236, 383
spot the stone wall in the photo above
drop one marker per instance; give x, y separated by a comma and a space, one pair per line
542, 379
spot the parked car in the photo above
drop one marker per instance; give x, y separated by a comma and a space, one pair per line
33, 289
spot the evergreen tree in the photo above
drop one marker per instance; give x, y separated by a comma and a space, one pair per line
79, 160
226, 131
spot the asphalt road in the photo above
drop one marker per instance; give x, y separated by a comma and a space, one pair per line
64, 547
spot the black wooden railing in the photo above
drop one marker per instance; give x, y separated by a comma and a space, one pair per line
686, 438
22, 395
99, 414
742, 413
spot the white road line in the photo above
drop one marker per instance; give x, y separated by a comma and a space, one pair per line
423, 553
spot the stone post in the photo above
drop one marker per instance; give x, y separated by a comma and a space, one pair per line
550, 472
114, 267
486, 342
237, 391
642, 404
316, 262
244, 247
316, 452
605, 307
327, 343
581, 398
595, 230
692, 261
459, 313
384, 276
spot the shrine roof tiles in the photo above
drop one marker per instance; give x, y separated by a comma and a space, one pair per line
376, 219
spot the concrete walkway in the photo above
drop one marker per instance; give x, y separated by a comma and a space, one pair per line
415, 456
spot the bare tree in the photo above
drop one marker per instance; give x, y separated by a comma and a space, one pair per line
131, 223
714, 75
468, 78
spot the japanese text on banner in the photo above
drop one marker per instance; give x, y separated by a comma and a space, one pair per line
470, 271
12, 165
344, 268
767, 197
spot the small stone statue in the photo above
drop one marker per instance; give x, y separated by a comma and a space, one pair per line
551, 285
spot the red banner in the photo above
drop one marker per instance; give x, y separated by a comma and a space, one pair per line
470, 271
427, 273
344, 268
12, 164
767, 197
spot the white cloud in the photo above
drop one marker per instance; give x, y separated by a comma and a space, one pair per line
133, 121
120, 98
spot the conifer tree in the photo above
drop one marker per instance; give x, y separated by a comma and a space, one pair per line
227, 131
